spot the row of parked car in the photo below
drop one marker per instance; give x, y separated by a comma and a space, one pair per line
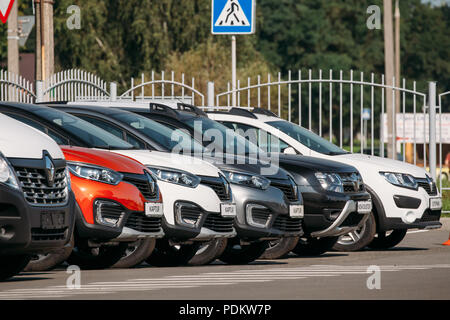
114, 184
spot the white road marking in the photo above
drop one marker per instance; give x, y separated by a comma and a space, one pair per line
204, 279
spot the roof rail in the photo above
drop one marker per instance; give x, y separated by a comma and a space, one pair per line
242, 112
264, 112
52, 102
162, 108
191, 108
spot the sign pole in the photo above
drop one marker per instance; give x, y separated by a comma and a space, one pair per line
233, 70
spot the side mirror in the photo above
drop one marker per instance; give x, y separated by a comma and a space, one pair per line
289, 150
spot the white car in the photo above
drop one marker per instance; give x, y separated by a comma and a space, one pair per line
404, 196
35, 196
197, 199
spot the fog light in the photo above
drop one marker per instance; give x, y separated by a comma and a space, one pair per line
257, 216
109, 214
2, 231
187, 214
409, 217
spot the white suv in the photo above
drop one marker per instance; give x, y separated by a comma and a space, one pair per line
404, 195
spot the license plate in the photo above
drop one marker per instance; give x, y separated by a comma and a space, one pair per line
154, 209
52, 220
436, 203
364, 206
296, 211
228, 210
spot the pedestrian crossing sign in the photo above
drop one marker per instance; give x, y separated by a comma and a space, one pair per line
233, 16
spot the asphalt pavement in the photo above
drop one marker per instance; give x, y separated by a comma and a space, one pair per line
419, 268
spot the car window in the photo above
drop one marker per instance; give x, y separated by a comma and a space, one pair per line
307, 138
86, 132
60, 140
264, 140
105, 125
135, 142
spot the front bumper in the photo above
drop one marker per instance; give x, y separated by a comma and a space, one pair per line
331, 214
392, 214
264, 214
22, 223
132, 226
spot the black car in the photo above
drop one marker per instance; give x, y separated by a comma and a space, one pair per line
328, 214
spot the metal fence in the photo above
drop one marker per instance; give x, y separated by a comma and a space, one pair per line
163, 89
72, 85
15, 88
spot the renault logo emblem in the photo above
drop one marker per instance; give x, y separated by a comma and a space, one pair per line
49, 171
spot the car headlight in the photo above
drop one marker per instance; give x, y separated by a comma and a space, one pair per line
175, 176
401, 180
330, 181
7, 175
95, 173
254, 181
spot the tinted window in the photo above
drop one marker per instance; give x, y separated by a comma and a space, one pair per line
165, 136
91, 135
307, 138
58, 139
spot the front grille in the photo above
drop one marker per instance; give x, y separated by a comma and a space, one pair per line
352, 183
287, 224
288, 190
352, 220
425, 184
219, 186
110, 210
143, 183
36, 189
431, 216
141, 223
260, 216
190, 213
38, 234
217, 223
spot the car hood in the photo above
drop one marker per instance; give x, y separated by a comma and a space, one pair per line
316, 164
367, 162
18, 140
116, 162
248, 165
172, 160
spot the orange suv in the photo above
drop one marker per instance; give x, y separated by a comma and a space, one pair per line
118, 215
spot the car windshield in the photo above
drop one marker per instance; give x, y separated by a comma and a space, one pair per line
172, 139
222, 137
91, 135
307, 138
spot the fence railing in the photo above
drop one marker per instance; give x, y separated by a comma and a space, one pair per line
73, 85
15, 88
163, 89
349, 110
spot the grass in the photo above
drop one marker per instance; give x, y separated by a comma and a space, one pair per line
445, 198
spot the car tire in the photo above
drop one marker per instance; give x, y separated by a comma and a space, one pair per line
238, 254
383, 241
279, 249
311, 247
208, 252
136, 253
169, 255
358, 239
12, 265
48, 262
103, 257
